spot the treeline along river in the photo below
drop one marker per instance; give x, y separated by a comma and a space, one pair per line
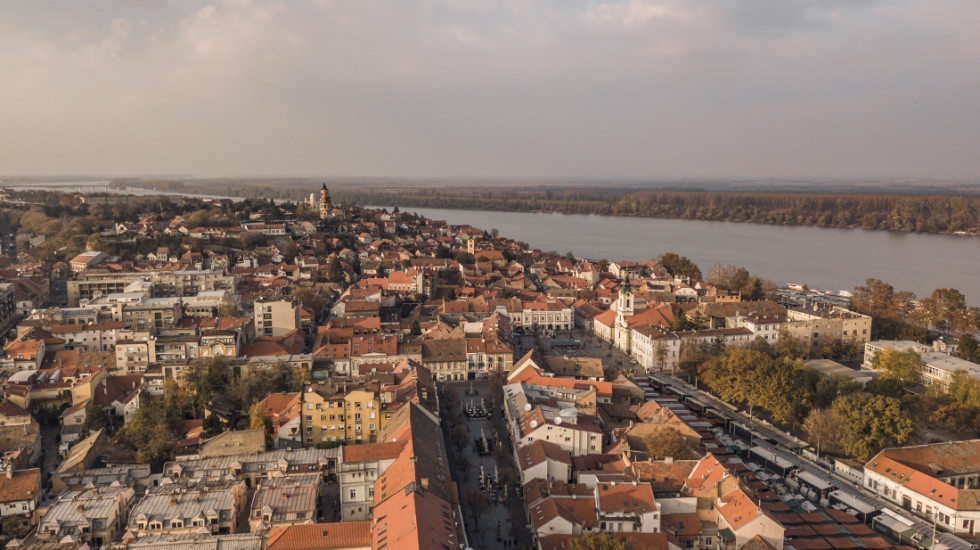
825, 258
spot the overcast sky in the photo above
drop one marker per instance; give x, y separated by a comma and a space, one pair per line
491, 89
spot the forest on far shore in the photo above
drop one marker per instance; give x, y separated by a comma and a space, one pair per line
913, 211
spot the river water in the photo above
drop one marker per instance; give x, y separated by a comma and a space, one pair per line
824, 258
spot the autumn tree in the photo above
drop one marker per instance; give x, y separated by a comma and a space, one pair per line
228, 308
889, 310
945, 310
599, 541
667, 441
870, 423
151, 435
778, 386
730, 374
823, 429
335, 272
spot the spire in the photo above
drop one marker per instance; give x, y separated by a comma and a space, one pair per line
627, 287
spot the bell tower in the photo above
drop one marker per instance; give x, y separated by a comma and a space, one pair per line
624, 309
324, 201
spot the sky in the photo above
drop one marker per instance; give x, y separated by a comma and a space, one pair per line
518, 89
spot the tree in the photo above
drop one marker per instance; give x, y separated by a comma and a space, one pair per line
228, 308
211, 426
778, 387
886, 386
889, 310
968, 348
945, 309
150, 435
335, 273
477, 502
463, 466
827, 389
416, 329
680, 266
964, 389
286, 378
823, 429
956, 416
667, 441
599, 541
730, 374
459, 436
871, 423
789, 346
903, 365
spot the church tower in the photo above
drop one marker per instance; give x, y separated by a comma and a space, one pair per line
324, 202
624, 309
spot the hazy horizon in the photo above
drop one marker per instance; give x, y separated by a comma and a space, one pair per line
517, 90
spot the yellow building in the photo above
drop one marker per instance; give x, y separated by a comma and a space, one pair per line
363, 416
331, 416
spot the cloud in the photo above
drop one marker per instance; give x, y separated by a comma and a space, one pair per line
509, 88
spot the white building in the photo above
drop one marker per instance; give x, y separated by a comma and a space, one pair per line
940, 482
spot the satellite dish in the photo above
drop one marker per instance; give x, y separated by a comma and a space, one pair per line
558, 421
527, 407
534, 423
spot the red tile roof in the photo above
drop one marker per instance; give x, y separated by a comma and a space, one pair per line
316, 536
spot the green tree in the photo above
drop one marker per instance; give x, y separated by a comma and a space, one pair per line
211, 426
680, 266
465, 258
886, 386
416, 329
903, 365
968, 348
870, 423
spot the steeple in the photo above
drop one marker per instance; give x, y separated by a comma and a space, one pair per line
325, 202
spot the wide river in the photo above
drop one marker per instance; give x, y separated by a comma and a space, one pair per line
824, 258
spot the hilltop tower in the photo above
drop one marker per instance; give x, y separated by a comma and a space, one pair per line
325, 203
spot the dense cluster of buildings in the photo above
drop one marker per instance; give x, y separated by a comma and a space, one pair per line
380, 310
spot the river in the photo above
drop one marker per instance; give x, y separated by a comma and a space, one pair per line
824, 258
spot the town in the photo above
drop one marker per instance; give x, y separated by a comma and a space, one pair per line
197, 373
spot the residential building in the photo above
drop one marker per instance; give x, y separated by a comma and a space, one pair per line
939, 482
95, 516
276, 316
284, 501
188, 506
20, 493
359, 467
